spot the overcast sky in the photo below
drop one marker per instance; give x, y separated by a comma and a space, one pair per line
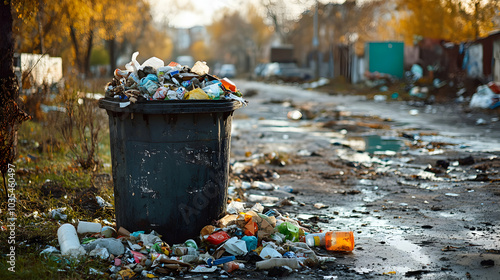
201, 12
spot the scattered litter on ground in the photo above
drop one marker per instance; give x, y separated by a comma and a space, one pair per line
245, 239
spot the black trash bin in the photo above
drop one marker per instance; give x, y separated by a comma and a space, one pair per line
170, 162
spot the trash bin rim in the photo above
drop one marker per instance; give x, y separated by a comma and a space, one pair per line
171, 106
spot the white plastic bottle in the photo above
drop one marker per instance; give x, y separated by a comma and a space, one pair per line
85, 227
69, 242
315, 239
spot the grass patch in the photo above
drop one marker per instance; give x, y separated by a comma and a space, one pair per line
48, 177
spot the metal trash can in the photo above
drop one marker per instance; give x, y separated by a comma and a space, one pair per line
170, 164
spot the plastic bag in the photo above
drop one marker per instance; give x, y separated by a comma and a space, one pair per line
160, 93
196, 93
483, 98
229, 85
218, 237
235, 207
149, 239
99, 252
236, 247
174, 95
133, 65
251, 228
200, 68
214, 91
154, 62
269, 252
251, 242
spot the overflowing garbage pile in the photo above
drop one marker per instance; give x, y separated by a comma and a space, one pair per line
486, 97
152, 80
246, 239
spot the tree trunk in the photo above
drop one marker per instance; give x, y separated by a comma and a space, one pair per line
40, 26
10, 114
90, 42
76, 47
112, 55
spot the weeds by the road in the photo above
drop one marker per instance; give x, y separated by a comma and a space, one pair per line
61, 174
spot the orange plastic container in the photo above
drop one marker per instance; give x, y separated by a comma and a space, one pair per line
339, 241
342, 241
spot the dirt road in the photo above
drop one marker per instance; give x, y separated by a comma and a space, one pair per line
418, 186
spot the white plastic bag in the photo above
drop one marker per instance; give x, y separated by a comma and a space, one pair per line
269, 252
133, 65
236, 247
483, 98
154, 62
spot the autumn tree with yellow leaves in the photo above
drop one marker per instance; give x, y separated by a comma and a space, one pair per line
72, 28
452, 20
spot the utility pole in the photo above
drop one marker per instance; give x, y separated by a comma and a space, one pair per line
40, 26
315, 41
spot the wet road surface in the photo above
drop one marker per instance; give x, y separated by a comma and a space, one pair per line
418, 186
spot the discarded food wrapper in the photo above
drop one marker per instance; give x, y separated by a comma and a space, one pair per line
269, 252
235, 207
218, 237
149, 239
99, 252
228, 220
57, 214
200, 68
204, 269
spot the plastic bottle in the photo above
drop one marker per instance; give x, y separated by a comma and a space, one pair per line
290, 230
332, 240
218, 261
69, 242
232, 266
191, 243
85, 227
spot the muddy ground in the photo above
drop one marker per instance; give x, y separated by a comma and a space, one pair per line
419, 185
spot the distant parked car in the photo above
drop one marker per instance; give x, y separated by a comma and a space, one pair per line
227, 70
258, 71
288, 72
185, 60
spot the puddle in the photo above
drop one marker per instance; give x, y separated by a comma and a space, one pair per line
375, 144
414, 251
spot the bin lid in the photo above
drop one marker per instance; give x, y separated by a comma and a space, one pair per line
171, 106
